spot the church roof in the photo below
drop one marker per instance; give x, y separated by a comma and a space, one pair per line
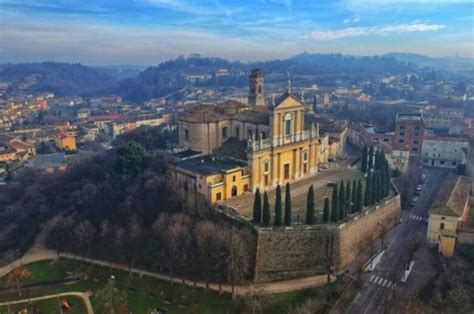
287, 94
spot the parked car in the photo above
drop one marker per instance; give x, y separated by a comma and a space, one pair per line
419, 187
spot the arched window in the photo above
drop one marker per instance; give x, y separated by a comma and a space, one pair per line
234, 191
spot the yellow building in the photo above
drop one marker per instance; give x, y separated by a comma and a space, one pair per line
451, 206
65, 141
7, 154
249, 146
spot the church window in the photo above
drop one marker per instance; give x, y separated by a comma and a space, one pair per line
266, 166
237, 132
224, 132
305, 156
186, 134
260, 89
288, 118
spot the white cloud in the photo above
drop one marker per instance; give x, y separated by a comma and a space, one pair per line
354, 20
374, 30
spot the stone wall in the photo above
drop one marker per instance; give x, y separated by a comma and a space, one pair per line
360, 231
300, 251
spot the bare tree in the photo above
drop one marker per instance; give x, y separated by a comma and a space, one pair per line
84, 233
237, 260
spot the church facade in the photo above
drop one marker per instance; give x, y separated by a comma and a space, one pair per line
242, 147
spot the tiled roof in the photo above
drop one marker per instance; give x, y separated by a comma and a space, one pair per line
207, 165
233, 148
452, 197
54, 160
254, 116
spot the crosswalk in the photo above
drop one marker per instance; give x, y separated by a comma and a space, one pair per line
381, 281
418, 218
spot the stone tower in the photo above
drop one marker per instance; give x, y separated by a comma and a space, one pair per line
256, 98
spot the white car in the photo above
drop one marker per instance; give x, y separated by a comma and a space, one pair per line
419, 187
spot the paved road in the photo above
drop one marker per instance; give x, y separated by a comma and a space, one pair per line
385, 279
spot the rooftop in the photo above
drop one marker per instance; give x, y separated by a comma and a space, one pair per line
452, 197
210, 164
54, 160
233, 148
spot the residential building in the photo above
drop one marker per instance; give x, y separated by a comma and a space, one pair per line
65, 141
409, 131
444, 151
49, 163
450, 208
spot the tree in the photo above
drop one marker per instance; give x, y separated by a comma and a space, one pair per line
237, 259
348, 197
368, 188
132, 158
363, 162
257, 207
287, 205
354, 196
335, 205
266, 210
110, 300
371, 157
277, 221
84, 235
382, 183
342, 200
359, 198
310, 210
388, 183
326, 210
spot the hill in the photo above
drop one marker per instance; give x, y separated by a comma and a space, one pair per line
59, 78
440, 63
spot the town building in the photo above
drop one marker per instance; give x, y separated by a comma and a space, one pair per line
49, 163
409, 132
450, 208
444, 151
243, 147
65, 141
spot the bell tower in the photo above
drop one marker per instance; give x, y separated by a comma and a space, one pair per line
256, 98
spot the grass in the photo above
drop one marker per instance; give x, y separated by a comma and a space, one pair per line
142, 293
50, 306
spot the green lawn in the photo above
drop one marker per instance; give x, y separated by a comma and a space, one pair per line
51, 306
143, 293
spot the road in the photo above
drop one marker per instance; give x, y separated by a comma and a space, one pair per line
381, 284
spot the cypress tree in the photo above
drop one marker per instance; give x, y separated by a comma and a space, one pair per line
368, 187
382, 183
363, 162
257, 207
387, 182
326, 210
371, 157
342, 201
373, 195
287, 205
335, 204
359, 199
310, 210
348, 198
266, 210
354, 197
277, 221
377, 187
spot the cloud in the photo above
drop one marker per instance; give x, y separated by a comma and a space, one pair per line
374, 30
354, 20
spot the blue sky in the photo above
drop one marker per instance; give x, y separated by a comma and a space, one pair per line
150, 31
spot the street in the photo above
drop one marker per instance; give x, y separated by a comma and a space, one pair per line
384, 282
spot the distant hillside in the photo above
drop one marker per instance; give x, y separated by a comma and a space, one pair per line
445, 63
173, 75
59, 78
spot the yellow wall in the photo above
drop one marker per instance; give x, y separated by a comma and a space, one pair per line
434, 223
68, 143
447, 245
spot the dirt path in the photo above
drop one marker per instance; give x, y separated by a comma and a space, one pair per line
83, 295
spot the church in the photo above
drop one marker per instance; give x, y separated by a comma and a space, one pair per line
233, 148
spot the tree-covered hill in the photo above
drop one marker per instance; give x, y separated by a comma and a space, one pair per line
60, 78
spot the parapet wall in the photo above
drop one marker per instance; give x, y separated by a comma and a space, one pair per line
300, 251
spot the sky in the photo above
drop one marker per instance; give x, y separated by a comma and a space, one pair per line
145, 32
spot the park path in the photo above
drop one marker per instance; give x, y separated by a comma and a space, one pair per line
38, 252
260, 288
83, 295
